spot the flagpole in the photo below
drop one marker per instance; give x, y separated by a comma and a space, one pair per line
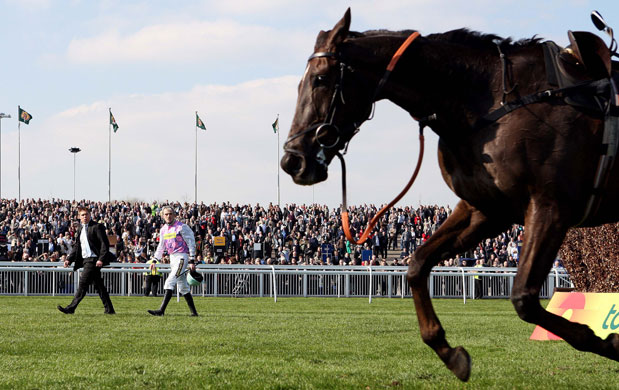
278, 160
18, 156
109, 159
196, 163
2, 116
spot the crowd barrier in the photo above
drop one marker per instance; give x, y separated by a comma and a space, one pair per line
272, 281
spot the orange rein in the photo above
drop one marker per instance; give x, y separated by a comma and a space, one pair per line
374, 221
401, 50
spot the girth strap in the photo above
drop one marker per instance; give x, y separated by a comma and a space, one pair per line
608, 155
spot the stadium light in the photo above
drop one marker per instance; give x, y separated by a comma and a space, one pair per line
75, 151
2, 116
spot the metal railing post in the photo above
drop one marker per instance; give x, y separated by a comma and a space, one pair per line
305, 283
370, 292
463, 286
337, 284
274, 286
261, 279
347, 286
76, 279
215, 283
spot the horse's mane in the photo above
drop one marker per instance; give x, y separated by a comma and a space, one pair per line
463, 36
475, 39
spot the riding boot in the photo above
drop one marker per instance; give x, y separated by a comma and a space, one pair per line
164, 304
192, 307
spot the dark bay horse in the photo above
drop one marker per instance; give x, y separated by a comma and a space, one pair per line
535, 165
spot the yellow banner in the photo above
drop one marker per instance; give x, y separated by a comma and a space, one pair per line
599, 311
219, 241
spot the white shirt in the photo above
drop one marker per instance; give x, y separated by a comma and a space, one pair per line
86, 251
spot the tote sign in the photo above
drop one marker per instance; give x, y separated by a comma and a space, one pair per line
599, 311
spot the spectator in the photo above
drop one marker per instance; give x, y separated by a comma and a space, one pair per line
152, 276
297, 230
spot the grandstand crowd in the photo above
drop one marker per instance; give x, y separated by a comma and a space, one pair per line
44, 230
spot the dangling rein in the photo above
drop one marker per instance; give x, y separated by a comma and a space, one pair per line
422, 124
374, 220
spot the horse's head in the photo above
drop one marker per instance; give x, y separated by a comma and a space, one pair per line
331, 105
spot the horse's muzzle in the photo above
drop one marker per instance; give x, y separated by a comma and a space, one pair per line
303, 170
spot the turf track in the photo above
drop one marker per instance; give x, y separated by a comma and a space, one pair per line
254, 343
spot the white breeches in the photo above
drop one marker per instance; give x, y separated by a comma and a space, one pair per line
178, 273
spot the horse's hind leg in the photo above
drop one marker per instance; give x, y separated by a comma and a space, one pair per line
544, 235
464, 228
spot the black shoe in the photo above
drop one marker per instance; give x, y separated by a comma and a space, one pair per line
157, 313
109, 312
194, 315
65, 310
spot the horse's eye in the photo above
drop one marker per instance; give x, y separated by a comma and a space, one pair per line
319, 80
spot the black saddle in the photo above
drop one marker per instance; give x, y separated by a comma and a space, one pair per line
586, 59
585, 69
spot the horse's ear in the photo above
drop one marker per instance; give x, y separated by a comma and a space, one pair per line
340, 30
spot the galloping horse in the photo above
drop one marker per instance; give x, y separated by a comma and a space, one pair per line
512, 154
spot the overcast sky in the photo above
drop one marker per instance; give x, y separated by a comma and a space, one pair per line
238, 64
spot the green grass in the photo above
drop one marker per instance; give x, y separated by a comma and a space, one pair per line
254, 343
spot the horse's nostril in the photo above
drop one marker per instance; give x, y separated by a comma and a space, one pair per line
292, 164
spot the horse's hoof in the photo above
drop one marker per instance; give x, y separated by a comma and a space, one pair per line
460, 363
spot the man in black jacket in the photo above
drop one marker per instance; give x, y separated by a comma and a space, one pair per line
91, 251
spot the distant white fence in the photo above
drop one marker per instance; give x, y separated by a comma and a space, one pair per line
276, 281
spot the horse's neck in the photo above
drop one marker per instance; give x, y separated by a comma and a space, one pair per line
444, 81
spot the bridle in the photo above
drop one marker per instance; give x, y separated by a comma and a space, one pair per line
328, 135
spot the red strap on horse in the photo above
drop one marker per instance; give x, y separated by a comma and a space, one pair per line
374, 220
401, 50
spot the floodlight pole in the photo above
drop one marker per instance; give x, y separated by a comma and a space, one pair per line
75, 151
2, 116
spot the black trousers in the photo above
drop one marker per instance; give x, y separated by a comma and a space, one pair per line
151, 284
91, 274
479, 288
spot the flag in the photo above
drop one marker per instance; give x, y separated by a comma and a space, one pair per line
199, 122
24, 116
276, 125
113, 121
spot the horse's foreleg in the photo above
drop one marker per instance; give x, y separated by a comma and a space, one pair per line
544, 235
465, 227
